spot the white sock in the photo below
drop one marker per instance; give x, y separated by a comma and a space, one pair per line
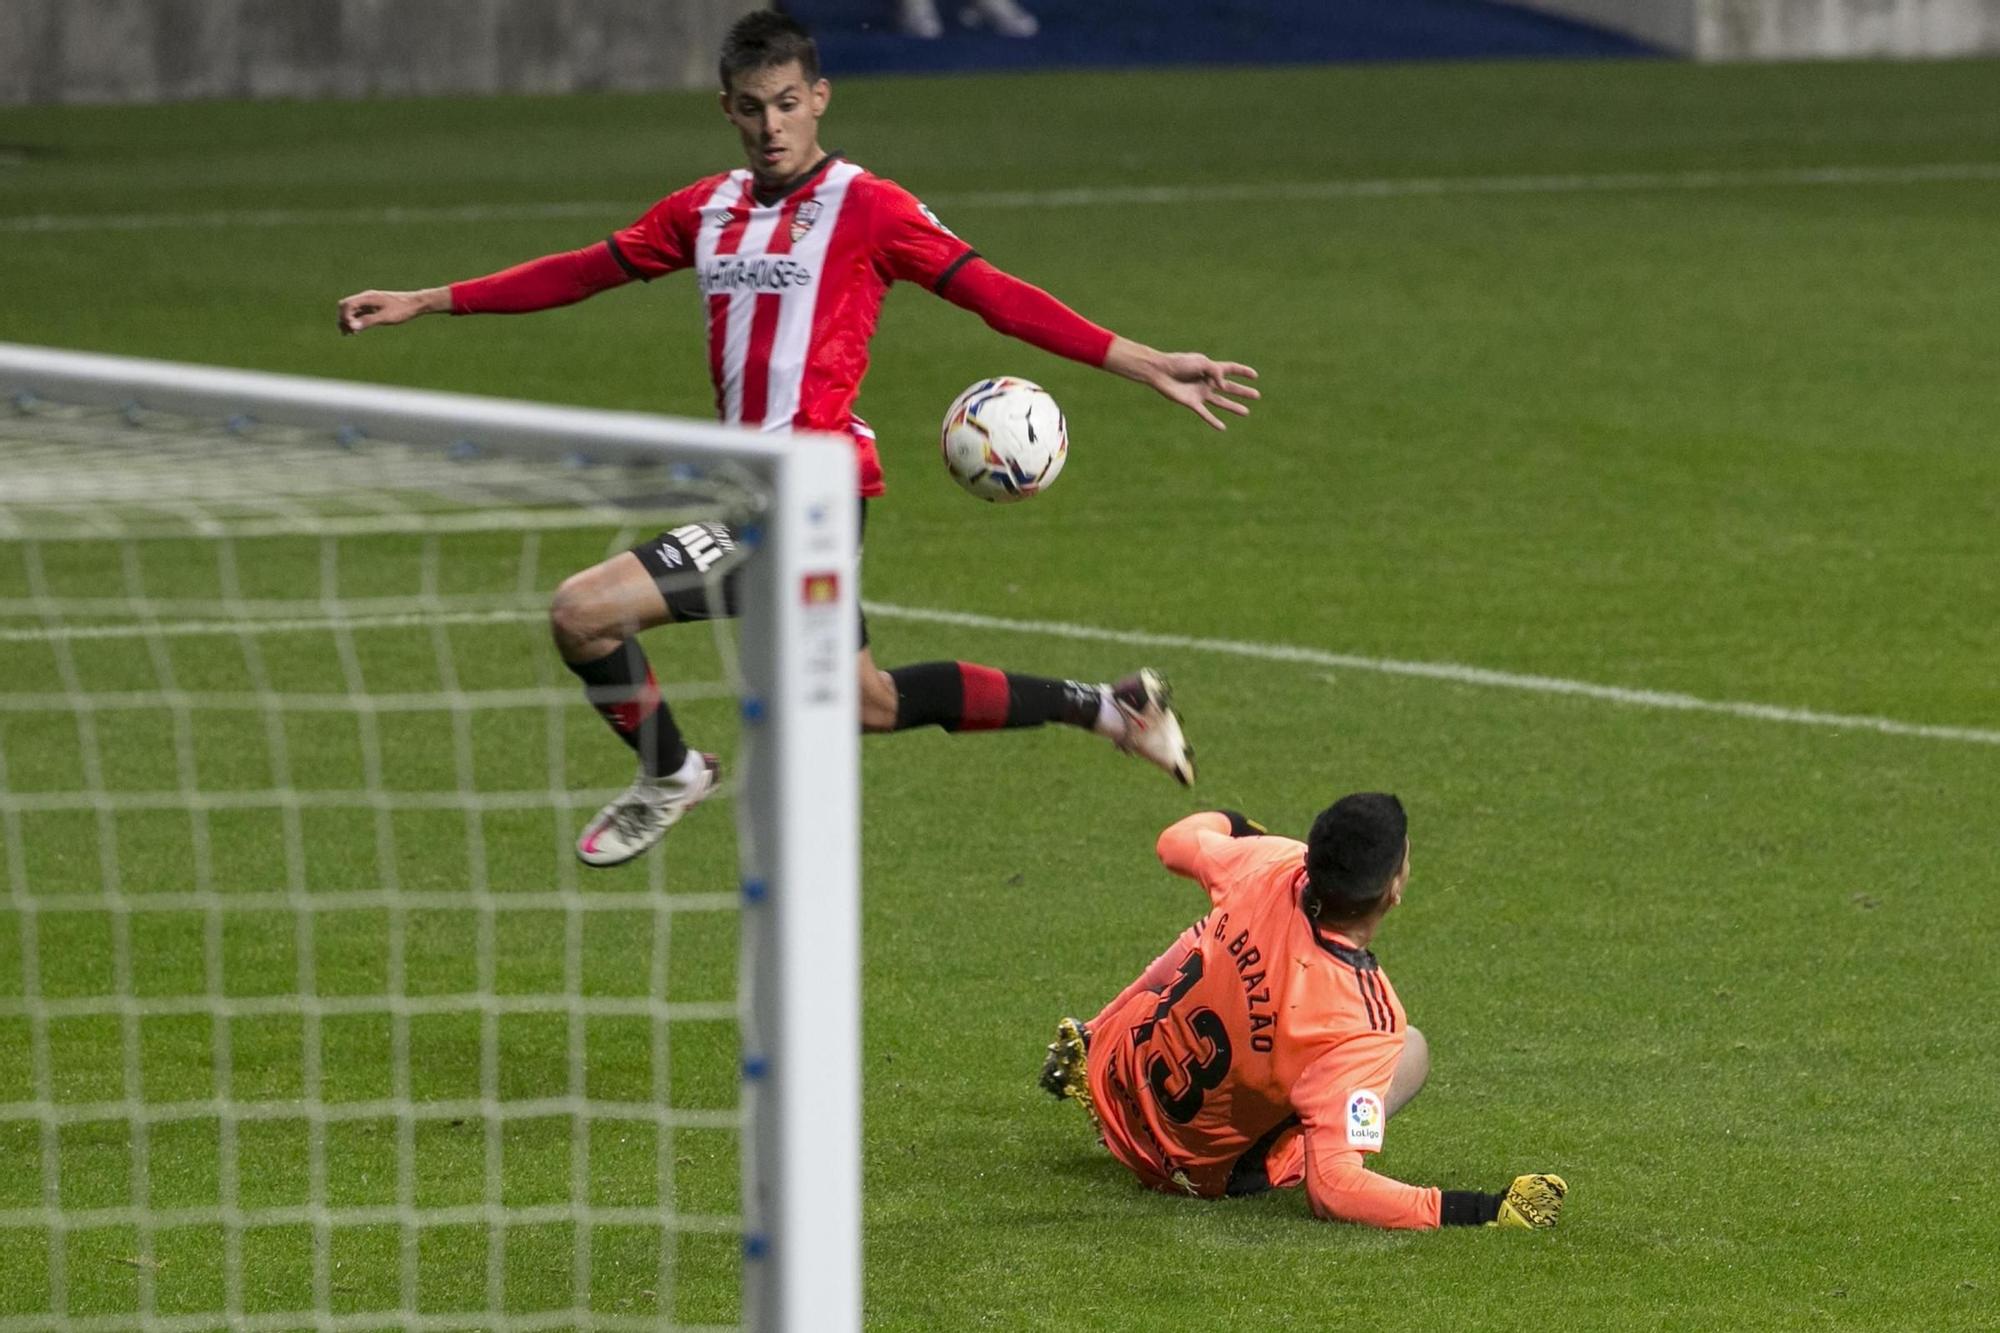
689, 770
1111, 719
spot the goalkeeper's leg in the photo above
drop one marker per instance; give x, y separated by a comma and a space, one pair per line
1413, 1067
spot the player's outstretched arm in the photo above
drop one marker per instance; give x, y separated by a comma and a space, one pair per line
1342, 1189
1022, 310
1180, 846
540, 284
365, 310
1341, 1107
1196, 382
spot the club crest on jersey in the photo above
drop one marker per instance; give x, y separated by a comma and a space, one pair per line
803, 219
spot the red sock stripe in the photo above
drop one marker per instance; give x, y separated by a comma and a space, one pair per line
626, 715
985, 695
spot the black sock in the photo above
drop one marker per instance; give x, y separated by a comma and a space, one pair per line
620, 686
964, 696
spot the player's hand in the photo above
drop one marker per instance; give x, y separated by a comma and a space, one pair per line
1196, 382
364, 310
1532, 1202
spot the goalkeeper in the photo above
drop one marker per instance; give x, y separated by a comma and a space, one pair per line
1266, 1049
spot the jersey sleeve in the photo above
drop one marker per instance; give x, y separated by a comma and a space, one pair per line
910, 244
1022, 310
540, 284
662, 240
1342, 1100
1221, 848
1180, 847
1341, 1188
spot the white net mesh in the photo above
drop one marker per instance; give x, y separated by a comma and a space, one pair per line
308, 1016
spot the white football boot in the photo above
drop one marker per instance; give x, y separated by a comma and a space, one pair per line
641, 815
1152, 727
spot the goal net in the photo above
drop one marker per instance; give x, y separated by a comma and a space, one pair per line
309, 1016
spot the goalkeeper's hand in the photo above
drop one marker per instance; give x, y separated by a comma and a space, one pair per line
1532, 1202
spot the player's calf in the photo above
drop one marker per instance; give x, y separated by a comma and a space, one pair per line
1136, 714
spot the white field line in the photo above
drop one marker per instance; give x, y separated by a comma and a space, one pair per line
1221, 192
1453, 672
1448, 671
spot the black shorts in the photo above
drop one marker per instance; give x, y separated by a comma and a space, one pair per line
678, 557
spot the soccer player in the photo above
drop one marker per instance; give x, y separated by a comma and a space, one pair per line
793, 256
1267, 1049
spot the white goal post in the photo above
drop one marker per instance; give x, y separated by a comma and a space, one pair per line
797, 1006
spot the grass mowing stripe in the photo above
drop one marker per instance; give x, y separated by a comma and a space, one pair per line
1455, 672
1081, 197
1427, 186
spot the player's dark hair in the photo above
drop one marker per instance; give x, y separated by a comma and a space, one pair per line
1353, 852
765, 39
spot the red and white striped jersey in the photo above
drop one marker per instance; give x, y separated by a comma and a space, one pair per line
793, 287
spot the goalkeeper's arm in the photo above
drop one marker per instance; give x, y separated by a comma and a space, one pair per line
1181, 848
1341, 1188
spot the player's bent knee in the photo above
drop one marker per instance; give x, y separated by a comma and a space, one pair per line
1413, 1067
573, 618
593, 611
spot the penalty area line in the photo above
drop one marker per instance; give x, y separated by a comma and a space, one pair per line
1445, 671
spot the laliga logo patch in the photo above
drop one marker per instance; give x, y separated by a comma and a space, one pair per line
802, 221
1364, 1120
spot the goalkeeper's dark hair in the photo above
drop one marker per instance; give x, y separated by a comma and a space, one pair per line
1352, 854
765, 39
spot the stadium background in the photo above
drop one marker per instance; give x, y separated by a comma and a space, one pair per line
1638, 373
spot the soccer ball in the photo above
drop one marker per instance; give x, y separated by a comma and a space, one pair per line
1004, 439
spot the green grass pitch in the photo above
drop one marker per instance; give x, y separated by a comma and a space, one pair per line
1729, 437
